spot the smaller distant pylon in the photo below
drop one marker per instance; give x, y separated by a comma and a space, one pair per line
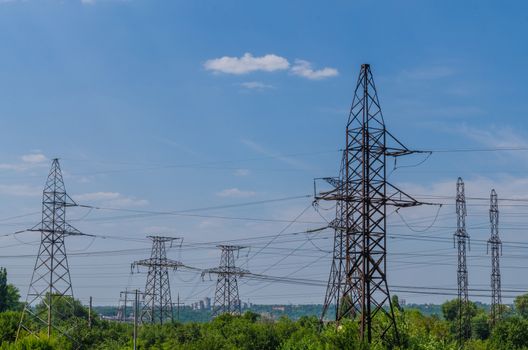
157, 305
227, 299
461, 240
495, 245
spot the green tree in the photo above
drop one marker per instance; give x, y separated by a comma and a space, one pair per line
480, 328
521, 305
396, 303
63, 308
450, 310
510, 334
9, 295
13, 298
3, 289
8, 325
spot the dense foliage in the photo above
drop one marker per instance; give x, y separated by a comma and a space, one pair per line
417, 330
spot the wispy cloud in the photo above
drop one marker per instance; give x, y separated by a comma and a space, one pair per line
155, 229
34, 158
304, 69
27, 161
271, 154
256, 85
242, 172
111, 199
427, 73
20, 190
179, 146
507, 186
247, 64
444, 191
235, 193
93, 2
495, 137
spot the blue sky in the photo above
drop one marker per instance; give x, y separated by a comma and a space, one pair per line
173, 105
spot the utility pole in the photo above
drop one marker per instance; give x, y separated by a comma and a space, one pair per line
227, 299
136, 318
461, 239
357, 284
178, 304
90, 314
495, 244
50, 281
125, 306
157, 305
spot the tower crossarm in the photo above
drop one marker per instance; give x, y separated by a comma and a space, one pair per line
233, 271
153, 262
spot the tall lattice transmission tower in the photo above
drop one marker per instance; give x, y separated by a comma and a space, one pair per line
50, 282
357, 285
157, 300
495, 245
461, 240
227, 299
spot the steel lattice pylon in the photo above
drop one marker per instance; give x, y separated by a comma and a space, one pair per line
227, 299
357, 285
50, 282
495, 245
461, 239
157, 301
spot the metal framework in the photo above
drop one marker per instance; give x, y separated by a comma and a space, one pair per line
495, 245
157, 301
461, 240
357, 285
126, 307
227, 299
51, 287
122, 305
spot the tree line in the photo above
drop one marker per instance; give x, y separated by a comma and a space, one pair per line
251, 331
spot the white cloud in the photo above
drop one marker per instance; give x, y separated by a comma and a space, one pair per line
111, 199
242, 172
477, 191
235, 193
304, 69
256, 85
34, 158
27, 161
246, 64
495, 137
